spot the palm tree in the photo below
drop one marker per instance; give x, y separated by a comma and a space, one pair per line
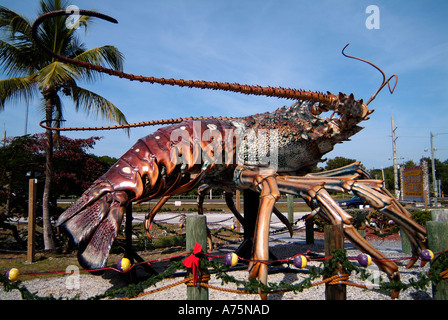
32, 72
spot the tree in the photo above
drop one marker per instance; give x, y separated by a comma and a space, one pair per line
33, 72
443, 176
74, 169
338, 162
23, 157
388, 176
441, 173
109, 160
16, 160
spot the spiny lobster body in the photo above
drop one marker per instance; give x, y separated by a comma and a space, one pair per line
144, 172
177, 158
271, 153
304, 137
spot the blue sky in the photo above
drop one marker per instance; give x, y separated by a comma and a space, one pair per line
290, 43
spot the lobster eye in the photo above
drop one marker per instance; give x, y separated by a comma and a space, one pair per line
318, 108
315, 110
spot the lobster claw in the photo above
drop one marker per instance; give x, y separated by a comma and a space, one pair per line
93, 222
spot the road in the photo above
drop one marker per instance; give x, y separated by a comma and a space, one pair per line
186, 201
223, 219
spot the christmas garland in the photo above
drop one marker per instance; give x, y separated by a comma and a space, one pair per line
437, 272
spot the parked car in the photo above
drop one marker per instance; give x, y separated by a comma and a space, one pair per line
352, 203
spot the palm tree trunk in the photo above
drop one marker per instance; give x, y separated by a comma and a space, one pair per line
47, 229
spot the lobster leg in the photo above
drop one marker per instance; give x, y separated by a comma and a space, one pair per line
353, 169
231, 205
150, 216
284, 220
315, 189
202, 192
264, 180
378, 197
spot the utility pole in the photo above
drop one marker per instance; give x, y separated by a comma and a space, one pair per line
394, 149
434, 181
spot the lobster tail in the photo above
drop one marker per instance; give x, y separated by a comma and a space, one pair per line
93, 222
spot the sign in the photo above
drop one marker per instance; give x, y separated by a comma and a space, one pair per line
413, 184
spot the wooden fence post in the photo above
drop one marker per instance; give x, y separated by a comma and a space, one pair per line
309, 231
334, 239
196, 227
32, 197
290, 208
438, 241
238, 207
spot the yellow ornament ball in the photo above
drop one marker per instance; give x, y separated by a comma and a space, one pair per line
13, 274
124, 264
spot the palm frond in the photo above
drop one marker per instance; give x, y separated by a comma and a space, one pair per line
81, 22
106, 56
52, 5
92, 103
54, 33
32, 70
56, 75
21, 88
17, 26
16, 60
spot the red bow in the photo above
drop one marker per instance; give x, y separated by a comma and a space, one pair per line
193, 262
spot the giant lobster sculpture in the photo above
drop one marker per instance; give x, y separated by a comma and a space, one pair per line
271, 153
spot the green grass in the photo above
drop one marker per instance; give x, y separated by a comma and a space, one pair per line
52, 262
45, 263
215, 208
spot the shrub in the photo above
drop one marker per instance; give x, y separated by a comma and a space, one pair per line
421, 216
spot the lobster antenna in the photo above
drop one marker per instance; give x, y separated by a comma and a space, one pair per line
383, 84
279, 92
130, 125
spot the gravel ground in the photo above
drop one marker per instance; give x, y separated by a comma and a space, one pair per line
90, 285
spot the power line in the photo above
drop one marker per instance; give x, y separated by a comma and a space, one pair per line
417, 127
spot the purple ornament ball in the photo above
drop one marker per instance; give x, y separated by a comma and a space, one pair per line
426, 255
300, 261
364, 259
231, 259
